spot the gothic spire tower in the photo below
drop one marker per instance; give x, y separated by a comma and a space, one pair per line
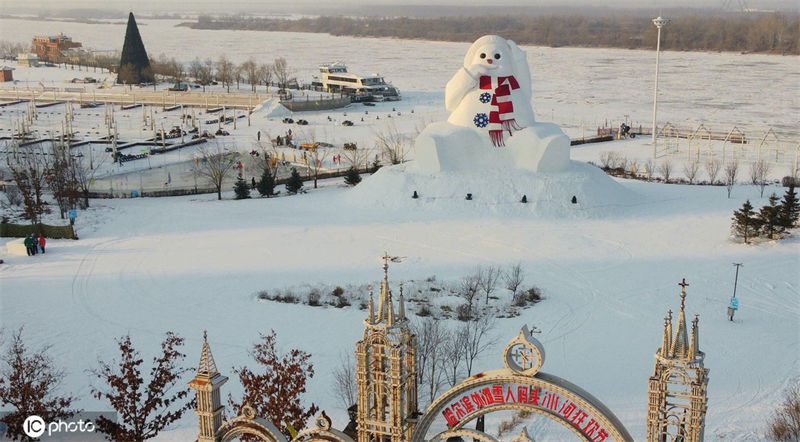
677, 398
386, 370
206, 383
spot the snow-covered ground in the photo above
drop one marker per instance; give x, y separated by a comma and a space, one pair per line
609, 266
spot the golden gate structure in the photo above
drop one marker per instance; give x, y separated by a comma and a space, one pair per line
387, 391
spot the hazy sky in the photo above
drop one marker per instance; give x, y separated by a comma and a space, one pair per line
255, 5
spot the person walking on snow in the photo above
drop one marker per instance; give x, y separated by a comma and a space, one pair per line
42, 242
29, 244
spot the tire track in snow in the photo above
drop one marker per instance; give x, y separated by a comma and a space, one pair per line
82, 278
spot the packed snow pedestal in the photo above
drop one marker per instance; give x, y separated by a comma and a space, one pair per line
491, 153
491, 123
444, 147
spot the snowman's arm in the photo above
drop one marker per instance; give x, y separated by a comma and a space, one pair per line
522, 72
458, 86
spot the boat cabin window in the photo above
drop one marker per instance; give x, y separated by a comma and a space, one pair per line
372, 81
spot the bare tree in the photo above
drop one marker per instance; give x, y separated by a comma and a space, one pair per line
431, 336
759, 171
61, 178
251, 73
282, 73
265, 72
488, 277
344, 380
666, 169
731, 170
28, 166
394, 146
609, 160
195, 69
785, 423
175, 70
476, 339
225, 71
206, 73
215, 165
633, 166
622, 163
316, 158
469, 287
649, 168
453, 353
690, 169
355, 156
514, 278
83, 171
237, 74
28, 384
712, 169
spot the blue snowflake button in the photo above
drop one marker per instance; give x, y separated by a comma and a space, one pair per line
481, 120
485, 97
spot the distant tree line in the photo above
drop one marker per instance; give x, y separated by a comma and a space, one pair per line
776, 33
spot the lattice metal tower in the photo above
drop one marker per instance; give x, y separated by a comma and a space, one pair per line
677, 399
206, 383
386, 370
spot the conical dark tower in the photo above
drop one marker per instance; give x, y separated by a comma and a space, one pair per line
134, 66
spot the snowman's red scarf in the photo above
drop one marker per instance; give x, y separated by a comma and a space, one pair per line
502, 118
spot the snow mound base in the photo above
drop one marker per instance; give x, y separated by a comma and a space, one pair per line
271, 108
495, 191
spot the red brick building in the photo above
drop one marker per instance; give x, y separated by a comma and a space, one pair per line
6, 74
51, 48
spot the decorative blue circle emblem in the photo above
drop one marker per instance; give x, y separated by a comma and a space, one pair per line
485, 97
481, 120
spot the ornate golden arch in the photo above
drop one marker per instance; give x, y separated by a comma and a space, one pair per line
248, 423
521, 386
322, 432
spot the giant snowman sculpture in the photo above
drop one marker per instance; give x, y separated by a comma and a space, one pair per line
491, 120
491, 154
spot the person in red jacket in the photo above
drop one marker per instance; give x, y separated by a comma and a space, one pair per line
42, 242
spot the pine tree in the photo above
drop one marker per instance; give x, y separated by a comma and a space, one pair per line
746, 222
769, 217
789, 209
275, 392
134, 66
352, 178
143, 408
28, 381
266, 186
241, 188
295, 183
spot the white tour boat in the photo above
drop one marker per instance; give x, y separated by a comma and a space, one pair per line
335, 78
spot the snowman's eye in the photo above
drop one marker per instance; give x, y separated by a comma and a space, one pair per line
496, 56
483, 55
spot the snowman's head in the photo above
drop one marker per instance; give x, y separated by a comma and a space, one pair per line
491, 54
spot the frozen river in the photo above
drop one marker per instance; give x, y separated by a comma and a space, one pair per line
572, 86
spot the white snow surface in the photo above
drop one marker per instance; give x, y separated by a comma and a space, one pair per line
608, 265
271, 108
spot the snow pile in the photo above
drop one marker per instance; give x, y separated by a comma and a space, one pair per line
548, 195
271, 108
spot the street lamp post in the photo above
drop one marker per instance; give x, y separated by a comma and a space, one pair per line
659, 22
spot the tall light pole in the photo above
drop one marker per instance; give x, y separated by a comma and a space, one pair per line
659, 22
734, 305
